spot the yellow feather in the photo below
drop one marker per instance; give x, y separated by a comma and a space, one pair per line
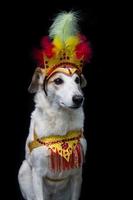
72, 41
58, 43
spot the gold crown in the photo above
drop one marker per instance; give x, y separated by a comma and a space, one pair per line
64, 50
65, 62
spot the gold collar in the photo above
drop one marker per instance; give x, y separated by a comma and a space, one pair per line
63, 145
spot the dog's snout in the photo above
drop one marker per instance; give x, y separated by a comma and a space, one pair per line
77, 99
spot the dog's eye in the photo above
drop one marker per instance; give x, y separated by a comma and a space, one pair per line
77, 80
58, 81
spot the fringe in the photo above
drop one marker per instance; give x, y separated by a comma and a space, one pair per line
58, 163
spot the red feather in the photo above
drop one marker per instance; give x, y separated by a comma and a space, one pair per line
38, 57
83, 49
82, 38
47, 47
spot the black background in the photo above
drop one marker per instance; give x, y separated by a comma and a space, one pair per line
25, 25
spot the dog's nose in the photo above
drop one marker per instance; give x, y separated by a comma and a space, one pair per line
77, 99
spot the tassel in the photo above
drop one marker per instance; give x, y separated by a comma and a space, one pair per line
61, 164
66, 165
52, 161
79, 155
57, 161
71, 161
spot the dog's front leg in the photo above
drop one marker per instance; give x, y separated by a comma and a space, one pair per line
76, 182
37, 185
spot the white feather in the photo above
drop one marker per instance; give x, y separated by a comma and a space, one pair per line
65, 25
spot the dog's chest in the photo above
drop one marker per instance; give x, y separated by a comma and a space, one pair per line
57, 154
57, 123
45, 159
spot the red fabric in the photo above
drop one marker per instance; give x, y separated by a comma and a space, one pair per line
59, 163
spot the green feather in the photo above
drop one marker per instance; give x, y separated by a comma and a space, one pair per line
65, 25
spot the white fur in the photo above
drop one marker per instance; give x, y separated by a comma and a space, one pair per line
52, 115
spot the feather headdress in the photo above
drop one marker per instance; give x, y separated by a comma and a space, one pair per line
65, 49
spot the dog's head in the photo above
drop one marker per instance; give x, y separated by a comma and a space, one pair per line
60, 89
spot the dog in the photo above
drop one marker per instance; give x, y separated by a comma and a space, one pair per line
58, 112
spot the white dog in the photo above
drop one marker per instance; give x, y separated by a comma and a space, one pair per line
58, 111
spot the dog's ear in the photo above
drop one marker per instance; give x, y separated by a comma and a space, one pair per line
37, 80
83, 81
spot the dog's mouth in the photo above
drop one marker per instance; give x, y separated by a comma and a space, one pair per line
74, 107
70, 107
